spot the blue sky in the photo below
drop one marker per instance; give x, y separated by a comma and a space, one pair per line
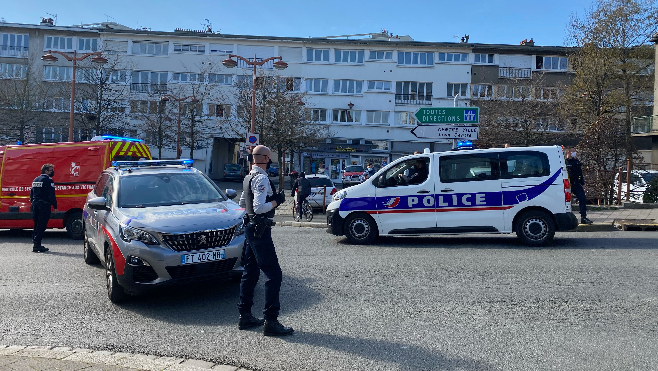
493, 21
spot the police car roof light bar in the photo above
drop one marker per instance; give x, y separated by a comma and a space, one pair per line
112, 137
149, 163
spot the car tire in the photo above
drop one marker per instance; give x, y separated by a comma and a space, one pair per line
88, 252
75, 226
115, 292
360, 229
535, 228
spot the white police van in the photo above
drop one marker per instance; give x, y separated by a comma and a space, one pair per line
501, 190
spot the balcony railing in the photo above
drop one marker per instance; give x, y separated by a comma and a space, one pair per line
268, 65
644, 125
148, 88
413, 99
13, 51
514, 73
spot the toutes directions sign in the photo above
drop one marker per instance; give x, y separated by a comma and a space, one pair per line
448, 115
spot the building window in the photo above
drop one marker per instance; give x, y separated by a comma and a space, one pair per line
119, 77
343, 115
379, 86
214, 78
293, 83
117, 106
416, 58
14, 45
87, 45
547, 94
380, 145
221, 49
317, 55
149, 82
219, 110
453, 57
187, 77
150, 48
348, 86
377, 117
484, 58
381, 55
349, 56
551, 63
513, 92
57, 73
56, 104
319, 114
48, 135
317, 85
413, 92
405, 118
147, 107
12, 71
190, 48
457, 89
482, 91
59, 43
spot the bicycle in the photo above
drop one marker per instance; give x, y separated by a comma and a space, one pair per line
307, 210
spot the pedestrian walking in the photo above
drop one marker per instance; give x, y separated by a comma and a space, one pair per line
575, 171
42, 198
259, 199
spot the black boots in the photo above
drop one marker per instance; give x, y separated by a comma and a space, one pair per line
248, 321
40, 249
275, 328
584, 220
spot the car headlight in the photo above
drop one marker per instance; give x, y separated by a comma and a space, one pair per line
339, 195
133, 234
239, 229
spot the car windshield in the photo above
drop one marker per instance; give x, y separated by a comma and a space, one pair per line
320, 182
354, 169
166, 189
232, 167
649, 176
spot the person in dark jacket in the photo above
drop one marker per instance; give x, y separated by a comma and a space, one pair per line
42, 198
303, 188
575, 171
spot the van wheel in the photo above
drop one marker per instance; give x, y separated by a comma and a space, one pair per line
360, 229
89, 254
115, 292
535, 228
75, 226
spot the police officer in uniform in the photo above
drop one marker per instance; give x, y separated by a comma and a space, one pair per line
575, 172
42, 197
259, 200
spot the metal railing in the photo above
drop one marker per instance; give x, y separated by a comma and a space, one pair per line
643, 125
514, 73
148, 88
13, 51
413, 99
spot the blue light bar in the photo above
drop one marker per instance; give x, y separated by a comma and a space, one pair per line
146, 163
465, 144
112, 137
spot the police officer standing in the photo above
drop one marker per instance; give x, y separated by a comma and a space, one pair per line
575, 172
259, 200
42, 197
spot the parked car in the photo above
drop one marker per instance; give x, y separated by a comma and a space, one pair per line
273, 170
233, 172
352, 175
156, 223
639, 182
318, 184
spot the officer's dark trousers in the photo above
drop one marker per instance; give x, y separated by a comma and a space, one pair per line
40, 215
578, 191
260, 255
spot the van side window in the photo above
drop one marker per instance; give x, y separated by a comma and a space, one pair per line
100, 184
409, 172
524, 164
468, 167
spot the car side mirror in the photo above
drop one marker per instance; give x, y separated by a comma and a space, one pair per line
97, 203
231, 193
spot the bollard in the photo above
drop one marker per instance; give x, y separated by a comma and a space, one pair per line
324, 201
629, 168
621, 171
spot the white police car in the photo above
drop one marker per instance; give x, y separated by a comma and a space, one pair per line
503, 190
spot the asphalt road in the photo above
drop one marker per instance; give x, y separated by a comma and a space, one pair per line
451, 303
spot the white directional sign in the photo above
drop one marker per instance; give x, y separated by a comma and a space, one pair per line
445, 132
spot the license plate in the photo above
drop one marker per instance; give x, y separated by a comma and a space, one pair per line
202, 257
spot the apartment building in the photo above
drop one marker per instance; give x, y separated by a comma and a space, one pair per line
364, 89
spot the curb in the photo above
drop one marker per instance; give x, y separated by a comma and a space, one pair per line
302, 224
596, 227
48, 358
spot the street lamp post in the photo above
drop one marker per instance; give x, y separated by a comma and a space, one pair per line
165, 98
98, 59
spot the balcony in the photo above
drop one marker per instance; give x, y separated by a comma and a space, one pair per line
644, 125
514, 73
13, 51
148, 88
413, 99
268, 65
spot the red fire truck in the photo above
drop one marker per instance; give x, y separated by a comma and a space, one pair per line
77, 167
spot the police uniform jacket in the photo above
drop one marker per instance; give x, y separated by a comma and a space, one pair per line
261, 188
575, 171
43, 190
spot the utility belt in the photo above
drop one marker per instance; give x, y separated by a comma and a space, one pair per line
260, 222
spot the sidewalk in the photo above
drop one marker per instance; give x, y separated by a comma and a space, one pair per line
61, 358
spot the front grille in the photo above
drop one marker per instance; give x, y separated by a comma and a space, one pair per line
144, 273
203, 269
199, 240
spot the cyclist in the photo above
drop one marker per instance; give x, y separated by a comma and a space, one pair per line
303, 188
